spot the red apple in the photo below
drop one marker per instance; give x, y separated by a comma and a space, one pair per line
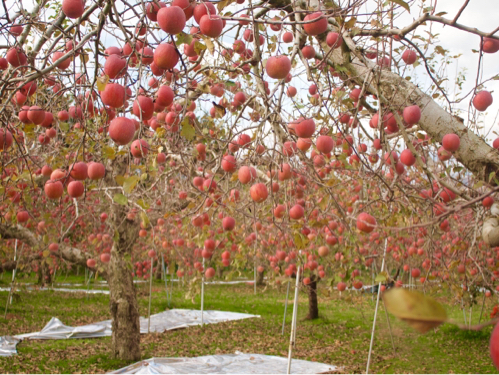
278, 67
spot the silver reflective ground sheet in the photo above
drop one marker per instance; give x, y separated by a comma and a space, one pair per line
8, 346
238, 363
182, 318
164, 321
88, 291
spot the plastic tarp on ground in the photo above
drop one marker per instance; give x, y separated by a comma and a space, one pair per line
230, 282
238, 363
164, 321
8, 346
183, 318
88, 291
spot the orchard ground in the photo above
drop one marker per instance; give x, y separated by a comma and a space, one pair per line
339, 337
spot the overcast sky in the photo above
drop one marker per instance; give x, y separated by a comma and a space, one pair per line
484, 15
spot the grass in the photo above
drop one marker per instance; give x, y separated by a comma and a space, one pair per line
340, 336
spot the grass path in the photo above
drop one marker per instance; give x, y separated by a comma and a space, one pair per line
340, 337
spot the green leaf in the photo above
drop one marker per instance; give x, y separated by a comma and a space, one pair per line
382, 277
198, 47
188, 131
130, 183
419, 311
183, 38
120, 199
143, 204
403, 4
109, 152
324, 202
64, 126
300, 241
29, 128
350, 23
145, 219
478, 185
222, 4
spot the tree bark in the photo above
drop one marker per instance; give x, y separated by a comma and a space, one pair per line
259, 278
220, 272
44, 277
124, 309
157, 274
125, 340
490, 229
313, 306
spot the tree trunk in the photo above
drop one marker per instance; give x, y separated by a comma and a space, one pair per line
157, 274
44, 277
259, 278
220, 272
313, 307
125, 340
124, 309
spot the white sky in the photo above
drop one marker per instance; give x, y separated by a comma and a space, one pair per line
484, 15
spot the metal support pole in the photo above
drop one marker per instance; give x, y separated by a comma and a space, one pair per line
165, 277
481, 312
464, 310
150, 295
162, 267
13, 274
372, 274
9, 298
292, 338
171, 287
285, 308
202, 297
89, 280
254, 275
375, 313
389, 327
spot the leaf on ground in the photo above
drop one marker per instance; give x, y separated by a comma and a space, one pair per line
419, 311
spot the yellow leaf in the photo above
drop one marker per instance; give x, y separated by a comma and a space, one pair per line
350, 23
130, 183
145, 219
209, 45
120, 179
109, 152
419, 311
102, 82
